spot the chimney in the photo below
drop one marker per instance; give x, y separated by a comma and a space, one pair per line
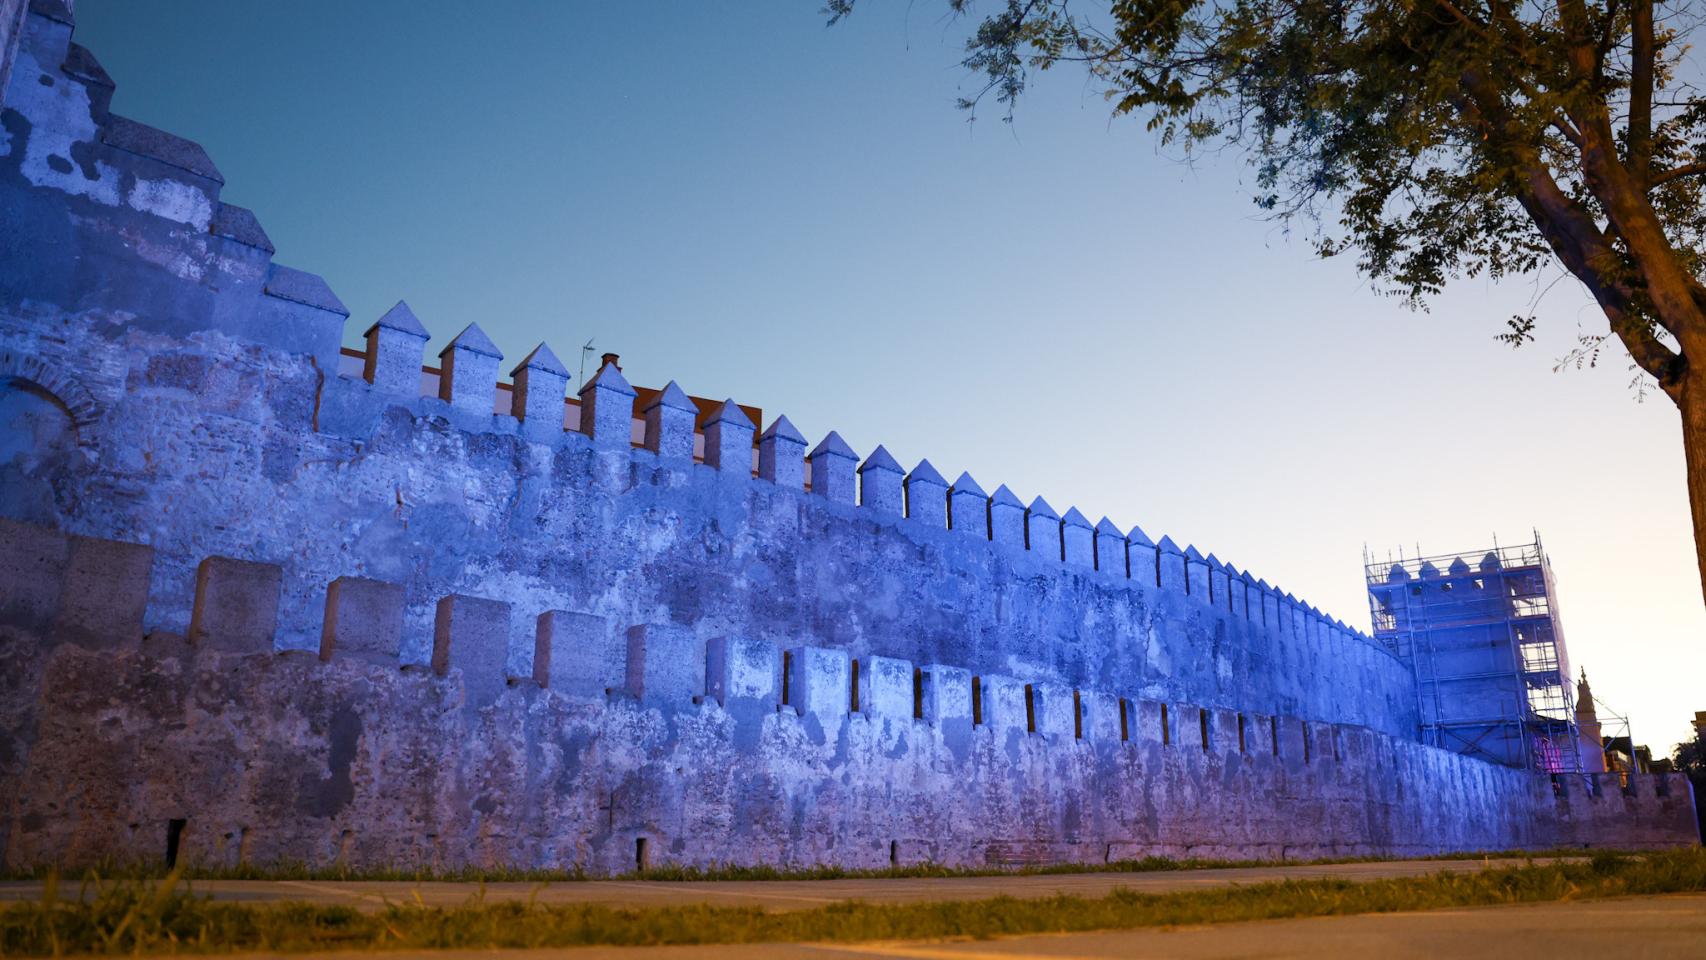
611, 359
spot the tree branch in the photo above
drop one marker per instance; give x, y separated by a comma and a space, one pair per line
1642, 54
1675, 173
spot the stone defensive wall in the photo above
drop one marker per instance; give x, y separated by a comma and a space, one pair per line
266, 597
675, 750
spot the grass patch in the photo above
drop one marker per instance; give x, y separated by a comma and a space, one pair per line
301, 871
130, 916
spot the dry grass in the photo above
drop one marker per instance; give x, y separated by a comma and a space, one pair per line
164, 916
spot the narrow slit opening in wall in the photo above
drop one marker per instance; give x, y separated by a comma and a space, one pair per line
1125, 722
894, 854
787, 672
1202, 723
1242, 747
642, 856
174, 837
1273, 730
1304, 726
1166, 732
853, 703
1030, 710
1077, 716
977, 701
1333, 735
917, 693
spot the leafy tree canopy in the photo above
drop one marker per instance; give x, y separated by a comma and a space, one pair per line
1430, 139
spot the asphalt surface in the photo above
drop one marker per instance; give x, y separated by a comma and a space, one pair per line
784, 894
1635, 928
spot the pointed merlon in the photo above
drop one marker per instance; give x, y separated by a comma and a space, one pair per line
1489, 563
881, 459
729, 412
543, 360
672, 397
1215, 562
925, 473
1398, 574
728, 440
237, 223
1191, 553
1248, 578
536, 397
1007, 518
300, 286
1458, 567
669, 416
1106, 527
1078, 544
1040, 508
1264, 585
1429, 570
401, 319
831, 472
880, 484
834, 446
607, 378
966, 485
1168, 546
782, 428
473, 340
1138, 538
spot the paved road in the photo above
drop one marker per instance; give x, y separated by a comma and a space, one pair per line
788, 894
1630, 929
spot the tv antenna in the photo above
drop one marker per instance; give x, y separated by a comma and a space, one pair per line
586, 349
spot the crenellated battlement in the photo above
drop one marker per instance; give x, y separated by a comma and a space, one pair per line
779, 456
793, 719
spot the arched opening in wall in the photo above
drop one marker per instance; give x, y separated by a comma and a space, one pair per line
38, 446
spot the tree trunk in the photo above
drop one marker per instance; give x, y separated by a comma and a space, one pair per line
1692, 404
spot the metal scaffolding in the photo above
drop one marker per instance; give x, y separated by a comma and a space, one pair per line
1481, 632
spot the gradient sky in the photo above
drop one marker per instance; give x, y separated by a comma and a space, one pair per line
735, 197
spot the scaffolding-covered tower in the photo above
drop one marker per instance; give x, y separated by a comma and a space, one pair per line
1492, 674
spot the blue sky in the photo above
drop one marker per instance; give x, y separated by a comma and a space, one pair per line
737, 198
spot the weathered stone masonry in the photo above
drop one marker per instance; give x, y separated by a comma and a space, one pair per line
279, 595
